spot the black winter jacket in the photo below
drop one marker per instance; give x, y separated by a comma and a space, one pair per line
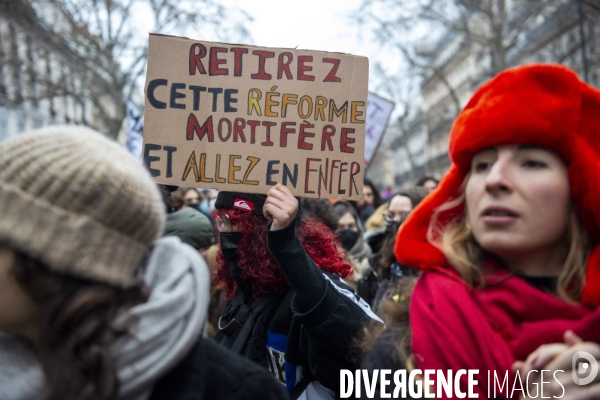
311, 331
211, 372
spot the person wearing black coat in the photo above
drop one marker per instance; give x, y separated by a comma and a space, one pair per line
211, 372
291, 311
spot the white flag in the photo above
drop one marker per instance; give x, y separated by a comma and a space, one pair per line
378, 114
135, 130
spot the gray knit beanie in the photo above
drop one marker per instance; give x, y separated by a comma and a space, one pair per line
78, 202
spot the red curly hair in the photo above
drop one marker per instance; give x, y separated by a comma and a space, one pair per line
258, 264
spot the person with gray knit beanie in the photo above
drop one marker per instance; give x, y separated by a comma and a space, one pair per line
78, 202
93, 303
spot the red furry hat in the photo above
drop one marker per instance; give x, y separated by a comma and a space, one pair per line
543, 105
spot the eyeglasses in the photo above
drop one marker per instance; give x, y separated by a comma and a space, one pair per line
224, 222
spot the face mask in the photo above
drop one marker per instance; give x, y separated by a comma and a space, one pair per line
229, 245
391, 228
204, 207
211, 205
348, 238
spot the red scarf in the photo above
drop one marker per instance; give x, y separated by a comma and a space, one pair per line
455, 327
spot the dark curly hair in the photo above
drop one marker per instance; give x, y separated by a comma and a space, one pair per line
258, 264
75, 329
320, 209
395, 335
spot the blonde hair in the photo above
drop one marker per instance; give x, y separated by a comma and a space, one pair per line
376, 220
455, 239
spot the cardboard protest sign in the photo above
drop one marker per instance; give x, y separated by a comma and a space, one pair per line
243, 118
378, 115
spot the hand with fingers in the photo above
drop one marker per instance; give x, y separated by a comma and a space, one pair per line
281, 207
557, 358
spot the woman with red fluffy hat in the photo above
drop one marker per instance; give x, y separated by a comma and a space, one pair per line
509, 241
290, 309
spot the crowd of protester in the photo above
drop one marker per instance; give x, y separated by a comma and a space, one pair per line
114, 287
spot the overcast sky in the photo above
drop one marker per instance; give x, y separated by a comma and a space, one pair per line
315, 25
308, 24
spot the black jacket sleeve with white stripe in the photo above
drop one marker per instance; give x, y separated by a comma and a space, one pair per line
327, 314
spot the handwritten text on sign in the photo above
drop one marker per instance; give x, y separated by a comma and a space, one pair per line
244, 118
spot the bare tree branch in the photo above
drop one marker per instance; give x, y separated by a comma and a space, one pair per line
105, 50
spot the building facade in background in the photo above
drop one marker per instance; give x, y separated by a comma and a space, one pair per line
566, 32
44, 78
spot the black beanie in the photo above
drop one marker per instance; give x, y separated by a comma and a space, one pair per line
249, 202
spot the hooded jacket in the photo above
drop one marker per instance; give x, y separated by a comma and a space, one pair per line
191, 226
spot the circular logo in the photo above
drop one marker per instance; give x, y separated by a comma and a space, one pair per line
585, 368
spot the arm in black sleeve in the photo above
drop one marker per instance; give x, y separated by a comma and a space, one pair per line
330, 312
300, 271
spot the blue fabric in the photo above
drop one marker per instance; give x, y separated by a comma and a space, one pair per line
284, 371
